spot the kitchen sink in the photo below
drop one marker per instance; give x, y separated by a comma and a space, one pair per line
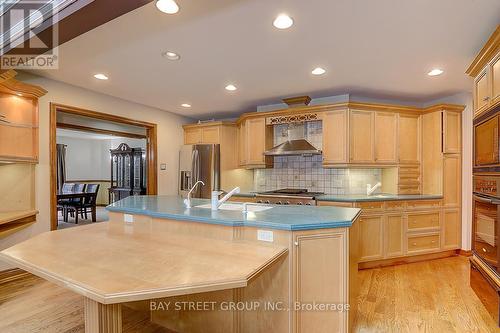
231, 206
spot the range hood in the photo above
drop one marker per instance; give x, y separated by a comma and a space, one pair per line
296, 143
293, 147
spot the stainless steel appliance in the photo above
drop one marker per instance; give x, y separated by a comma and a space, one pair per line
288, 196
485, 220
199, 162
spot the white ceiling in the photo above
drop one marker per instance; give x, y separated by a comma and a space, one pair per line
381, 48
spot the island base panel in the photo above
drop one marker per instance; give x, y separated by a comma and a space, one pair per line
102, 318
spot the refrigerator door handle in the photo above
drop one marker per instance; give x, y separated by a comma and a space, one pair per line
195, 166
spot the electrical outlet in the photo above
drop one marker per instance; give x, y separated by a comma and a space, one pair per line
265, 235
128, 218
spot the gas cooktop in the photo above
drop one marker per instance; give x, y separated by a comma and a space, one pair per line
292, 192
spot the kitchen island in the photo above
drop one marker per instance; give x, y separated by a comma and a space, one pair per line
279, 269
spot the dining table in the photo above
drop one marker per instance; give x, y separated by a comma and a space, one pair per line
66, 195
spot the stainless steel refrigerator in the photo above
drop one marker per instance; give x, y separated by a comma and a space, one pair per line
199, 162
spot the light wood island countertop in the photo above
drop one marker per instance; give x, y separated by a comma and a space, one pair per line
115, 263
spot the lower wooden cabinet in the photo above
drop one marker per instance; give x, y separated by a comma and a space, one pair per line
371, 237
393, 234
451, 229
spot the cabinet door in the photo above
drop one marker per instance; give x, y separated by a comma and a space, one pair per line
192, 136
481, 93
452, 128
321, 271
495, 79
256, 141
451, 229
210, 134
335, 137
409, 138
452, 180
385, 137
370, 229
361, 137
242, 144
394, 236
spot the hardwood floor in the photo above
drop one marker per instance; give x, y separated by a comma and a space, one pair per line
432, 296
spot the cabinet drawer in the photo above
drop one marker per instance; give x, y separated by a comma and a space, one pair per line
371, 206
423, 221
423, 243
335, 203
394, 205
423, 204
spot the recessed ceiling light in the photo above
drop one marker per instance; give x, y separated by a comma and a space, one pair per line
186, 105
231, 87
435, 72
318, 71
170, 55
167, 6
101, 76
283, 21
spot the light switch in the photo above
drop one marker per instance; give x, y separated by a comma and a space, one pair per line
265, 235
163, 166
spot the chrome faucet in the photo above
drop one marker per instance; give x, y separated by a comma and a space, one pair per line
215, 197
370, 189
187, 201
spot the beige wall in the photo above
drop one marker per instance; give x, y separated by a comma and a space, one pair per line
170, 138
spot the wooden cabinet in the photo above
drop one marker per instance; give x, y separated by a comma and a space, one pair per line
451, 231
452, 174
481, 93
257, 140
335, 143
386, 127
485, 69
361, 136
242, 144
452, 132
495, 79
202, 134
394, 235
321, 272
371, 237
192, 136
409, 138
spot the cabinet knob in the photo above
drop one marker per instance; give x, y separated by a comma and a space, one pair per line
414, 244
486, 98
296, 243
433, 241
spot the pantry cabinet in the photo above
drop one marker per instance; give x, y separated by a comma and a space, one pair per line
335, 141
452, 132
452, 174
452, 231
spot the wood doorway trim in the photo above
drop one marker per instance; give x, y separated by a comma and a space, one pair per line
151, 149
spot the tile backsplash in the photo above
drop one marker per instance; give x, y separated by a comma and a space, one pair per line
307, 172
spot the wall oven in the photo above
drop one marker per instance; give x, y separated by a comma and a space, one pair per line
485, 222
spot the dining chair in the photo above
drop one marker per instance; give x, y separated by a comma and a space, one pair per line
90, 202
74, 205
66, 188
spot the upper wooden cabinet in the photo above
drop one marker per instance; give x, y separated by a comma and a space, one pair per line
485, 69
335, 143
18, 119
255, 137
386, 131
361, 136
202, 134
409, 138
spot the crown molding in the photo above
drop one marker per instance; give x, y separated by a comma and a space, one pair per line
489, 50
9, 84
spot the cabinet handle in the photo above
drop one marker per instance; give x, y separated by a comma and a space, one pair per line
433, 241
485, 99
296, 243
414, 244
